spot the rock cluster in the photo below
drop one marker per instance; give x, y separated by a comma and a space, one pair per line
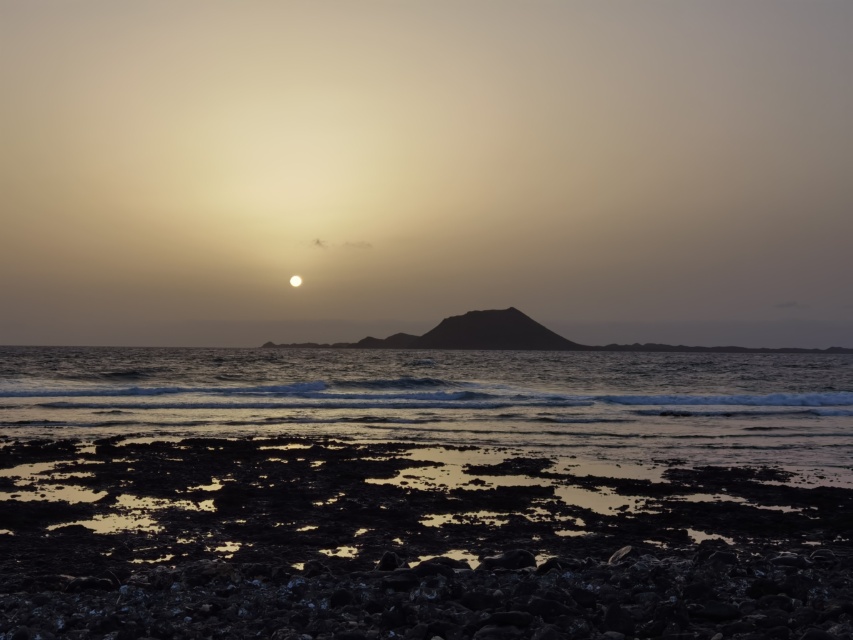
314, 539
708, 592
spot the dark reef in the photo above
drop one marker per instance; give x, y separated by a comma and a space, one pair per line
299, 538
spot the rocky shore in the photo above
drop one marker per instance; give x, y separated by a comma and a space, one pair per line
315, 538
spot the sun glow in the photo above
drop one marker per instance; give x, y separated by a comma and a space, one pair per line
295, 281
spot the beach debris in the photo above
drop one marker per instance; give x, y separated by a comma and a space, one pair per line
620, 554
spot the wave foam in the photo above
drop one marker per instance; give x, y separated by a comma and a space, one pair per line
97, 392
405, 382
835, 399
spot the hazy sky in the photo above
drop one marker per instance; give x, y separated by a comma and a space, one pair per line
632, 170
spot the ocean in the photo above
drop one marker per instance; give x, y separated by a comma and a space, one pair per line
787, 410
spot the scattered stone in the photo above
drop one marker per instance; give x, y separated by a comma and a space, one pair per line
720, 611
548, 609
341, 598
90, 582
515, 559
390, 561
498, 633
510, 619
723, 557
817, 634
823, 556
791, 560
401, 580
619, 620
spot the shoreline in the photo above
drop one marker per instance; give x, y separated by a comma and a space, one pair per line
271, 511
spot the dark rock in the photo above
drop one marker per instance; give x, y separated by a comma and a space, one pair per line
583, 597
479, 600
780, 632
341, 598
444, 561
697, 591
435, 567
770, 618
314, 568
738, 627
762, 587
575, 628
394, 617
557, 564
648, 599
106, 624
723, 557
547, 609
618, 619
776, 601
90, 582
548, 632
401, 580
525, 588
799, 585
817, 634
418, 632
443, 629
498, 633
515, 559
714, 610
510, 619
832, 611
804, 616
258, 593
823, 556
842, 630
390, 561
791, 560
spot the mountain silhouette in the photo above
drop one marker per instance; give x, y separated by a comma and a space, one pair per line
510, 329
494, 329
397, 341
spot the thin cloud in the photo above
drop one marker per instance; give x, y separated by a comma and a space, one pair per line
319, 243
357, 245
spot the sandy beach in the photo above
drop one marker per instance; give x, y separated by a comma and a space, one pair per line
287, 537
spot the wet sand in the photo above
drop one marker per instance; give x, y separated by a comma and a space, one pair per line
123, 517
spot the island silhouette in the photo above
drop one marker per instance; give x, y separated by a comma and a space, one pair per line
512, 330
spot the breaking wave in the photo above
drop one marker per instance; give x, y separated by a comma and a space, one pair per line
835, 399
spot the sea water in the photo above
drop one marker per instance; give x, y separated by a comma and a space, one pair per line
788, 410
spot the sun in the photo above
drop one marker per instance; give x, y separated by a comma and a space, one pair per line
295, 281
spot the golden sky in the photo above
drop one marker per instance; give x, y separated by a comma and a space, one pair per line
621, 171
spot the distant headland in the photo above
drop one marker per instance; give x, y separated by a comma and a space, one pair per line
512, 330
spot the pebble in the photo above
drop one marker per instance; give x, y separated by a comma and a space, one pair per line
671, 595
